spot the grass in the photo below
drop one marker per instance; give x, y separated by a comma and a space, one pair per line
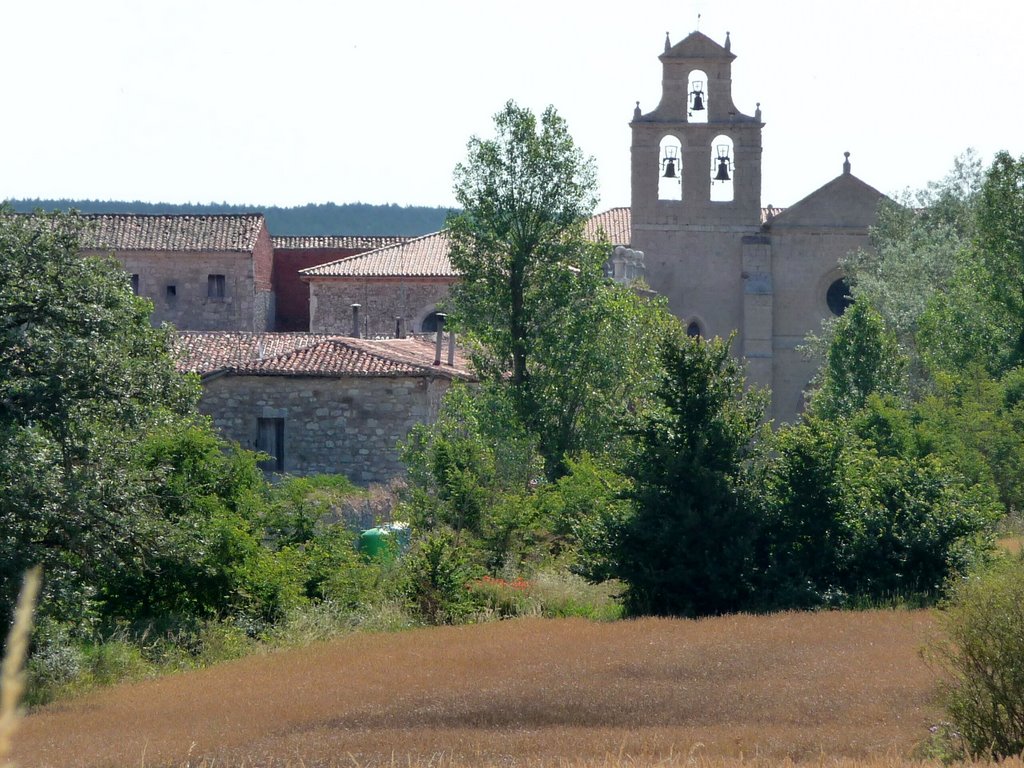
12, 670
824, 688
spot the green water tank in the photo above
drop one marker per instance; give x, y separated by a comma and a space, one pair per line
375, 543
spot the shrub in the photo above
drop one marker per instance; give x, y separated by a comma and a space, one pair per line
505, 598
563, 594
437, 573
983, 652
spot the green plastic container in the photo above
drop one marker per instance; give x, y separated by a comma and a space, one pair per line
376, 544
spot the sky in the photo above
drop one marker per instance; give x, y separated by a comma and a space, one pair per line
307, 101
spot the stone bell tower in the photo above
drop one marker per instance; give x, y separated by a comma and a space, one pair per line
696, 194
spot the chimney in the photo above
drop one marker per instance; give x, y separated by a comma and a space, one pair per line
355, 321
451, 348
399, 327
440, 333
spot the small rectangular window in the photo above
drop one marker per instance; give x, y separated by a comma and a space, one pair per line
135, 284
215, 286
172, 292
270, 440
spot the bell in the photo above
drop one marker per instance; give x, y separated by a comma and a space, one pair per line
670, 169
698, 101
723, 169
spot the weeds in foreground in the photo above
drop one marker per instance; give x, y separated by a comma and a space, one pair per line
12, 671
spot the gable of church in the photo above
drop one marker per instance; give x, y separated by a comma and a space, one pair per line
846, 202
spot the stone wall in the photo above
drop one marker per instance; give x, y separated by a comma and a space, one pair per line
381, 300
349, 426
189, 305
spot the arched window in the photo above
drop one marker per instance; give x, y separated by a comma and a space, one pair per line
723, 169
838, 296
693, 329
697, 97
430, 323
670, 169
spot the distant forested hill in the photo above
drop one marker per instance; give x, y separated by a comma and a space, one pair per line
311, 219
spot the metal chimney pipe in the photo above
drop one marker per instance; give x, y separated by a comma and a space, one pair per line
451, 348
440, 333
355, 321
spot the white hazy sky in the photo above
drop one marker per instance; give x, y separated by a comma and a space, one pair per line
285, 103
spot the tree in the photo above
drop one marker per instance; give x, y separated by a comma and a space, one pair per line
854, 509
82, 376
862, 359
917, 245
572, 348
1000, 240
920, 246
689, 548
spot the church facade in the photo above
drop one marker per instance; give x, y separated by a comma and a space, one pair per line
726, 264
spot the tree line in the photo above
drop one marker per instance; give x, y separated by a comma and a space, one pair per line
309, 219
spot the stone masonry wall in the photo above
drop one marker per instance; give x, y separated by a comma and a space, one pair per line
190, 307
330, 303
349, 426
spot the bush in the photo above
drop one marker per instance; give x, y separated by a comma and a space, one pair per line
846, 524
983, 652
437, 574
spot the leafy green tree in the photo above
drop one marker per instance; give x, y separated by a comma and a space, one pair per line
519, 239
917, 246
573, 349
209, 502
1000, 240
853, 511
82, 375
863, 358
689, 548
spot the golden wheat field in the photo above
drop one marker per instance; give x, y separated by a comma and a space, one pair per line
824, 688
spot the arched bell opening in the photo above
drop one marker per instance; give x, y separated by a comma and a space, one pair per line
697, 97
723, 169
670, 169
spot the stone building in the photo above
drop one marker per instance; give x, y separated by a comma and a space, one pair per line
404, 281
318, 403
725, 264
200, 272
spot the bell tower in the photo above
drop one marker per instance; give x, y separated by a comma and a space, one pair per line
696, 187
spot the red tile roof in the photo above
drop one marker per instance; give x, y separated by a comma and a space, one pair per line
311, 354
140, 232
425, 256
303, 242
616, 223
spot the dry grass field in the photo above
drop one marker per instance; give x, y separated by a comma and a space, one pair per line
825, 689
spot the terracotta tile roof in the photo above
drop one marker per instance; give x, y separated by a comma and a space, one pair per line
205, 352
311, 354
425, 256
300, 242
616, 223
139, 232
